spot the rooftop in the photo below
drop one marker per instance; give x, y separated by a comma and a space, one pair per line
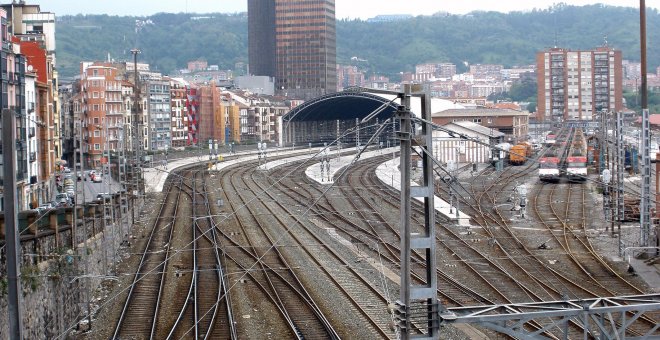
477, 128
480, 112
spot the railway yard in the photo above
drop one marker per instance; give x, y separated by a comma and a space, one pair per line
249, 253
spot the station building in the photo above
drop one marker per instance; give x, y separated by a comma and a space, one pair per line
336, 116
514, 124
447, 147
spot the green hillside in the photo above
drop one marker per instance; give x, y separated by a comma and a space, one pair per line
169, 41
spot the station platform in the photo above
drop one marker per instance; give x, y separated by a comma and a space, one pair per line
338, 162
299, 154
154, 178
387, 172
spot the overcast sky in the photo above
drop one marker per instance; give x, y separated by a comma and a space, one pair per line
363, 9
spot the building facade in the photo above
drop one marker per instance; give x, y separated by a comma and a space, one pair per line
297, 40
159, 136
513, 124
448, 148
575, 85
261, 37
12, 101
33, 34
178, 95
192, 106
103, 112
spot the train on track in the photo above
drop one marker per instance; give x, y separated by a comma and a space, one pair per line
549, 169
566, 157
576, 162
550, 139
519, 153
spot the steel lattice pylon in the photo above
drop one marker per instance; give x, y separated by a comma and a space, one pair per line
601, 318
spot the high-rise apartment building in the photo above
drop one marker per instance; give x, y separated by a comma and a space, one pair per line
294, 41
574, 85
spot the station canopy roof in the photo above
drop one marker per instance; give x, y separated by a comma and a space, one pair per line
349, 105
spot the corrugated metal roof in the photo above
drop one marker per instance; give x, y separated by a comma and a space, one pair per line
482, 112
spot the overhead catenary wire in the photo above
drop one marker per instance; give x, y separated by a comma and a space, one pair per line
227, 216
309, 207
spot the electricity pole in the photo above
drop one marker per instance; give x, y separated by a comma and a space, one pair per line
645, 206
14, 299
135, 171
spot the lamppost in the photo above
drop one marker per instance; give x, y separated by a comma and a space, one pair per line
107, 176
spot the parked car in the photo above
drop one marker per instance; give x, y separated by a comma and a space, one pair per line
62, 199
97, 178
103, 197
44, 208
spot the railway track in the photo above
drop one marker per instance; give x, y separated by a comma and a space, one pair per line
451, 290
603, 280
139, 316
202, 312
562, 283
362, 220
206, 313
301, 313
265, 238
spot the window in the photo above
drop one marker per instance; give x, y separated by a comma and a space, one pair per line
97, 133
95, 94
96, 120
97, 146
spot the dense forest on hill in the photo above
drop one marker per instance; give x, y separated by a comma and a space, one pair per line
169, 41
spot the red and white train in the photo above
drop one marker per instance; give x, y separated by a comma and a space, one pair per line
549, 169
576, 162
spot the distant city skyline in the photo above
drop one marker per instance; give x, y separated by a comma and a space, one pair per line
351, 9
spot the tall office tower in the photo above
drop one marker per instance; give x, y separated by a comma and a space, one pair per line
294, 41
261, 37
574, 85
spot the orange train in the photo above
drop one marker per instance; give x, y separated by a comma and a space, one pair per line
519, 153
